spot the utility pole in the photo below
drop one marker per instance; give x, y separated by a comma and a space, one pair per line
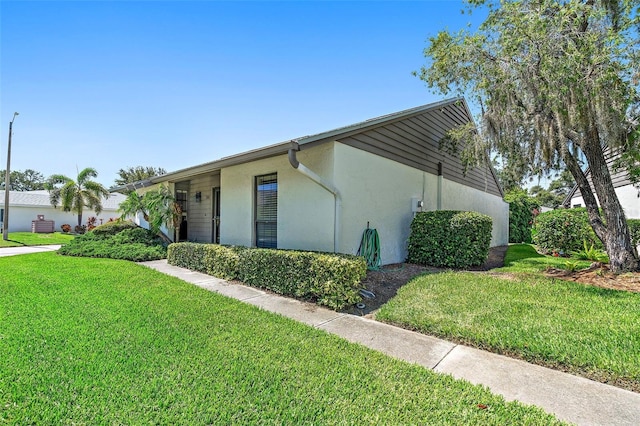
7, 185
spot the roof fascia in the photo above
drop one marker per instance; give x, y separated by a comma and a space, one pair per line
343, 132
217, 165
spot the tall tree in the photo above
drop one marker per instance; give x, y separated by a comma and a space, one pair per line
74, 196
556, 82
562, 184
544, 197
137, 173
29, 180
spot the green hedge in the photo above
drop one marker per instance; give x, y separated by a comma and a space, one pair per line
521, 216
564, 231
219, 261
330, 279
451, 239
114, 227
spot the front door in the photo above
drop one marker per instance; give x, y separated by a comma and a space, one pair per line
215, 216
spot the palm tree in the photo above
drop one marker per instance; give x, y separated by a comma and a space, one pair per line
74, 196
158, 208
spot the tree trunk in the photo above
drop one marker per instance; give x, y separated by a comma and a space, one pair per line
164, 237
79, 219
614, 232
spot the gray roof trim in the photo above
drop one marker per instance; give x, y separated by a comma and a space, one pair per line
212, 166
301, 142
343, 132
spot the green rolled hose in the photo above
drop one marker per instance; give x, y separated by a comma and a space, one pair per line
370, 249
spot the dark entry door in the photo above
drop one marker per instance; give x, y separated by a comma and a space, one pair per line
215, 216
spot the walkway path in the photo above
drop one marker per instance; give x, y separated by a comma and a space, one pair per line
570, 398
12, 251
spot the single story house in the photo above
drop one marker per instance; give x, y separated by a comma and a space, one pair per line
321, 192
26, 206
626, 192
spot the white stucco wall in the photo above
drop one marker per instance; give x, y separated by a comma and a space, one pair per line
628, 196
380, 191
305, 210
459, 197
372, 189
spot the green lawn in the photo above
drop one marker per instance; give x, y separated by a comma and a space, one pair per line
582, 329
100, 341
524, 258
17, 239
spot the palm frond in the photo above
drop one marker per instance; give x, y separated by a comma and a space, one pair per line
86, 173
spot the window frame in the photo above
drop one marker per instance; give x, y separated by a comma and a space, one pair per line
265, 228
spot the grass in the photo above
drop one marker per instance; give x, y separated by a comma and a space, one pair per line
17, 239
81, 345
582, 329
525, 258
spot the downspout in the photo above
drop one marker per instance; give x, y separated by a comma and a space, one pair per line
439, 202
337, 202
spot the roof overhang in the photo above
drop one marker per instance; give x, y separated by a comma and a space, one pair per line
297, 144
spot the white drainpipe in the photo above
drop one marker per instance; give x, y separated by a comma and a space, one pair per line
337, 201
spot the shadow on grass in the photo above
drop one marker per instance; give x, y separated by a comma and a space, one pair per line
519, 252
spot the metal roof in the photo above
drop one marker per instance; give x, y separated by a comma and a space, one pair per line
41, 199
283, 147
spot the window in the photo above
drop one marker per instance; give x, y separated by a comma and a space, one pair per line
267, 211
577, 205
181, 199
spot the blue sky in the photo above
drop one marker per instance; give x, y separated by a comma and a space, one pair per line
177, 83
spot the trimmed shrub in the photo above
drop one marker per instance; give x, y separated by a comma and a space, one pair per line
329, 279
282, 271
112, 228
187, 255
219, 261
451, 239
332, 280
223, 261
564, 231
335, 280
522, 212
123, 241
634, 229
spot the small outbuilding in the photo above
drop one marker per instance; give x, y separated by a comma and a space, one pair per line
31, 211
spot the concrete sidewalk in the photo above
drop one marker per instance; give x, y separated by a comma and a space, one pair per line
571, 398
12, 251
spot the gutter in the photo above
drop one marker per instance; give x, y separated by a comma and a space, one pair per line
337, 201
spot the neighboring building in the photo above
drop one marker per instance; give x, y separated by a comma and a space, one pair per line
626, 192
26, 206
321, 192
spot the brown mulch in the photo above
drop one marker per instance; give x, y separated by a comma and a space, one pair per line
384, 284
599, 275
